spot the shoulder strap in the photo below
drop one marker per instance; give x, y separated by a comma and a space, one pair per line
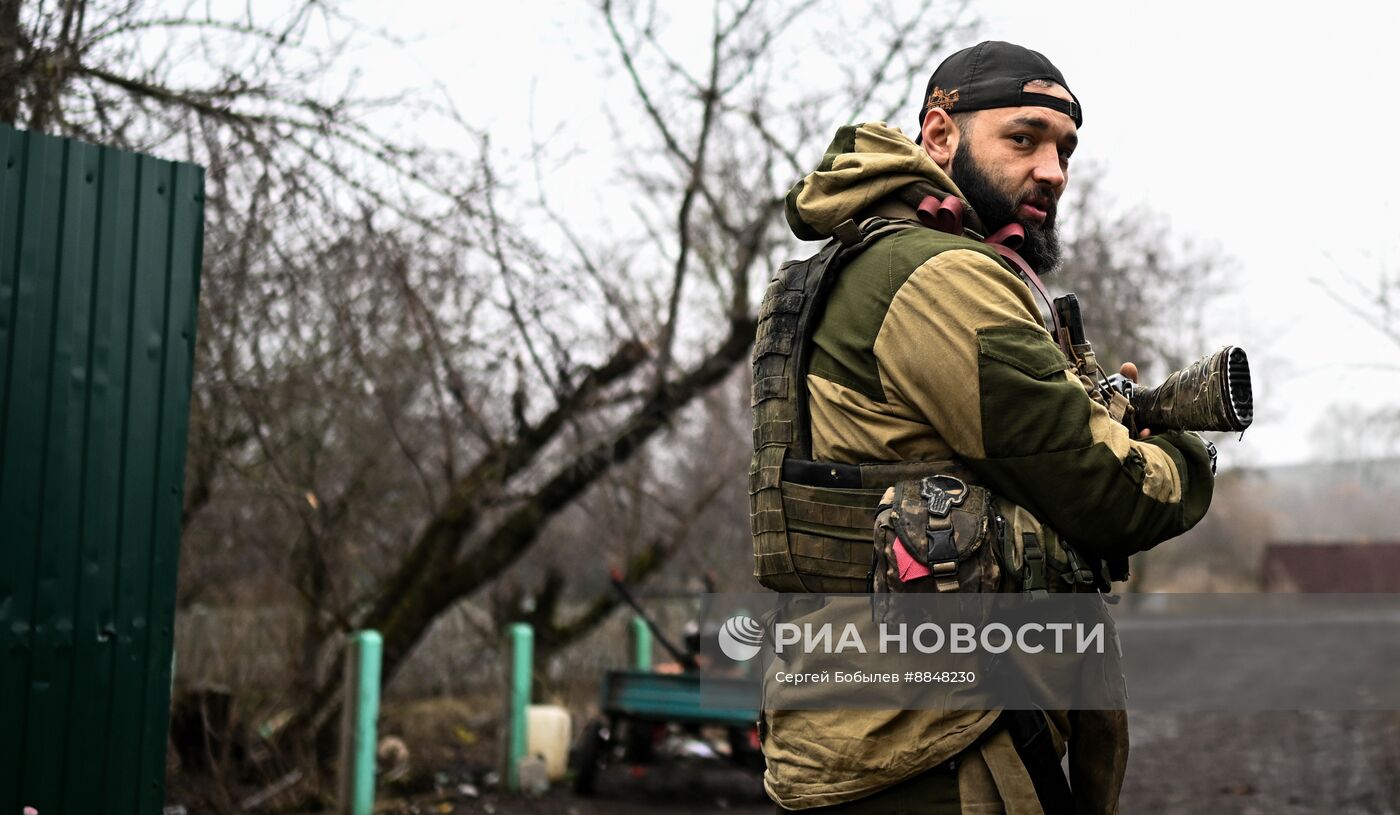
940, 210
851, 240
1005, 241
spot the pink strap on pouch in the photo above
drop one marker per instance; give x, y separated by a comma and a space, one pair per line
909, 568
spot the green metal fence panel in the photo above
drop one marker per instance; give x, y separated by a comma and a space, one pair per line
100, 253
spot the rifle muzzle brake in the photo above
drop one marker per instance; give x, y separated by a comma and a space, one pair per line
1213, 393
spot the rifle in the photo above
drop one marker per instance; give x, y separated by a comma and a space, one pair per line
1213, 393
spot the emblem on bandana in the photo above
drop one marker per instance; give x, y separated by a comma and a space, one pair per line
939, 98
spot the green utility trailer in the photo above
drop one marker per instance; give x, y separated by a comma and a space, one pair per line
684, 698
640, 706
99, 277
637, 706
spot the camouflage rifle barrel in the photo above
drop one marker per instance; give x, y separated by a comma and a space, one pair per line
1213, 393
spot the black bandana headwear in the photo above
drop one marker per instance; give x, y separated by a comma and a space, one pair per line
994, 74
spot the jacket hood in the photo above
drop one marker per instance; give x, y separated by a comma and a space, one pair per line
864, 164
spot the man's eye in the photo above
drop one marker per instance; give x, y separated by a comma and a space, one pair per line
1021, 139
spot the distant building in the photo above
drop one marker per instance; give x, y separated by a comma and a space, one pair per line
1342, 521
1332, 567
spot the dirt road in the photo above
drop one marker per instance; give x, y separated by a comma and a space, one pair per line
1181, 764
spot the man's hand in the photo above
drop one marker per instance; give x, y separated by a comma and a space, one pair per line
1130, 371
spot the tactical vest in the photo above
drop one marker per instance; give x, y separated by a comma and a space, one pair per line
813, 521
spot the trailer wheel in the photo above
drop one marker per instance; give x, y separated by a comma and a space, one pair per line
587, 756
744, 748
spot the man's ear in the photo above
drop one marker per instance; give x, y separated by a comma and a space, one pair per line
940, 137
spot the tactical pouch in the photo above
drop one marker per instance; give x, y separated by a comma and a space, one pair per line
1034, 559
941, 534
935, 534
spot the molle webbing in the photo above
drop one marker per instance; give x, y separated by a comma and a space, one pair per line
818, 537
812, 521
776, 382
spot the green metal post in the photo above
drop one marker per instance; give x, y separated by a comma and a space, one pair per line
358, 733
641, 644
522, 646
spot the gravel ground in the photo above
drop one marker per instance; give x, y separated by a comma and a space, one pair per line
1181, 764
1275, 763
683, 786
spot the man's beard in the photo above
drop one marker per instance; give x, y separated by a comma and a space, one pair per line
996, 208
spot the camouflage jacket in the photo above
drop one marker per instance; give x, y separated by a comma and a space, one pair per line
932, 348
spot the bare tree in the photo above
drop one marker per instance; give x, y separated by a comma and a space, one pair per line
1142, 287
398, 390
405, 397
1375, 302
715, 158
1354, 431
1361, 428
304, 381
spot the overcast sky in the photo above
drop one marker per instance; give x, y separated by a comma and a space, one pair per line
1267, 133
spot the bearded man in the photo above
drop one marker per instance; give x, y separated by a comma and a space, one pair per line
932, 348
